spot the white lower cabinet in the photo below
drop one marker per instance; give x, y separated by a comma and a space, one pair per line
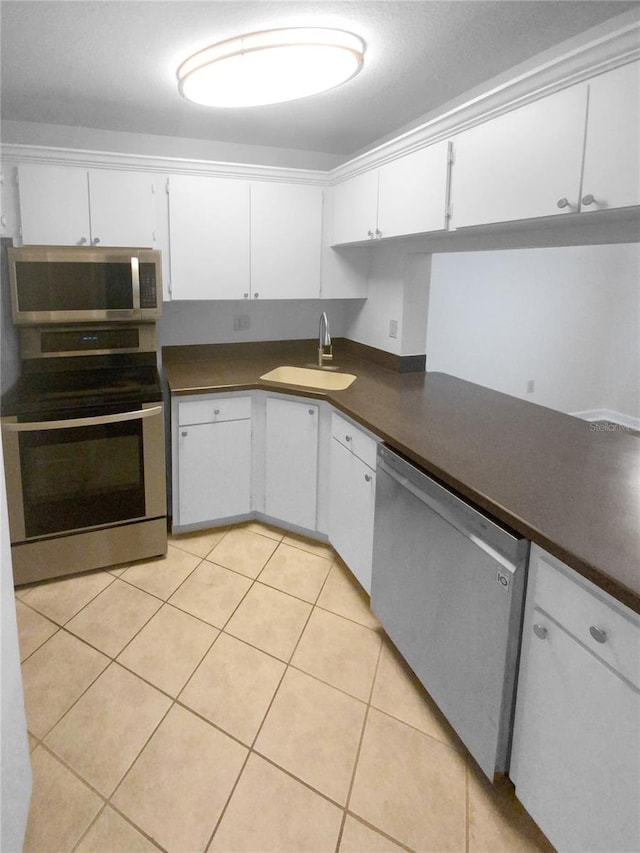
212, 459
291, 461
352, 487
576, 750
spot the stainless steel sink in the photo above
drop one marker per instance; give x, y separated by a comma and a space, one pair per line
310, 378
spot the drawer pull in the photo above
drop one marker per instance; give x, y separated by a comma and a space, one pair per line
367, 477
347, 438
598, 634
184, 434
540, 631
216, 411
312, 411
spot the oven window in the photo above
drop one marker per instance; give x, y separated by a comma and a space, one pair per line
82, 477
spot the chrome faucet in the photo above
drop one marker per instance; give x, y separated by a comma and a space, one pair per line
324, 340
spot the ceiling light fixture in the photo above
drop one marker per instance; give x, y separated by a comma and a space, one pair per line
270, 67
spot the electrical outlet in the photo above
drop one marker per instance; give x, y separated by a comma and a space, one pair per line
531, 384
393, 328
240, 322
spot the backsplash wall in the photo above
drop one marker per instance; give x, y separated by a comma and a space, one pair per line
212, 322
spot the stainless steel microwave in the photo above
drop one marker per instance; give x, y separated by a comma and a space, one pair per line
69, 284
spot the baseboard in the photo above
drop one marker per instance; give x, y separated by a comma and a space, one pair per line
609, 415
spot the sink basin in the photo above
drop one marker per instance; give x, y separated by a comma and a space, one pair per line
310, 378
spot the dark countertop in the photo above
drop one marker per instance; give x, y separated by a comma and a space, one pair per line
566, 484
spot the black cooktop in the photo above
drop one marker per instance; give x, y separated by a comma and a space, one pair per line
81, 392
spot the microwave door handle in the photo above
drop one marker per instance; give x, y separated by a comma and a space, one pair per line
135, 282
68, 423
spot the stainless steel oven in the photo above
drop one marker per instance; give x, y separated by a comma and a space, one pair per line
83, 444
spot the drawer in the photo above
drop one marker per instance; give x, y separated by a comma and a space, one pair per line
354, 439
214, 410
584, 614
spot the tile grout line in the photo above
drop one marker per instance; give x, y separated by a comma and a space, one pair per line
358, 751
252, 750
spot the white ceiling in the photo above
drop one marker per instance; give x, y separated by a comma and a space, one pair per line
110, 64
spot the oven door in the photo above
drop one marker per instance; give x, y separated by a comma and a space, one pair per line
84, 473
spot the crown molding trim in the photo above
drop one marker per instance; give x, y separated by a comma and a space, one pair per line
14, 154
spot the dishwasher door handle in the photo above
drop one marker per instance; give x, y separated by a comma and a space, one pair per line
449, 516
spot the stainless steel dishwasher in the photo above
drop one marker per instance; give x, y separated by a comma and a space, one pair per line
448, 585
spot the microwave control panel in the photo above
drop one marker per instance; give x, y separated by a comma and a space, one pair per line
148, 297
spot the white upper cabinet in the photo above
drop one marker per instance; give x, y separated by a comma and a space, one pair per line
412, 192
121, 207
54, 205
406, 196
355, 208
612, 160
521, 165
209, 237
286, 232
68, 206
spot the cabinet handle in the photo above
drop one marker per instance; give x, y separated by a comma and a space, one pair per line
370, 234
540, 631
255, 295
312, 411
367, 477
184, 434
82, 240
95, 241
216, 411
378, 234
598, 634
588, 199
246, 295
347, 438
564, 202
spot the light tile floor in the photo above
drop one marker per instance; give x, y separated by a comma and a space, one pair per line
239, 695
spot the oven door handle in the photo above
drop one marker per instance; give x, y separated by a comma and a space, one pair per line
69, 423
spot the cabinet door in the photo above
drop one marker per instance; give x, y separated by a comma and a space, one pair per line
209, 237
355, 208
521, 164
412, 193
576, 746
214, 471
611, 161
54, 205
291, 465
352, 487
121, 205
286, 231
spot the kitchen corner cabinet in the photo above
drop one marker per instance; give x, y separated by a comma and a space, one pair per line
611, 162
212, 459
576, 750
406, 196
286, 231
209, 228
69, 206
352, 487
291, 461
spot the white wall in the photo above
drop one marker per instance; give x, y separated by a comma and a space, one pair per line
397, 290
567, 318
15, 767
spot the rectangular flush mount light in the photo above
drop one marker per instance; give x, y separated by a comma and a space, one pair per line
270, 67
